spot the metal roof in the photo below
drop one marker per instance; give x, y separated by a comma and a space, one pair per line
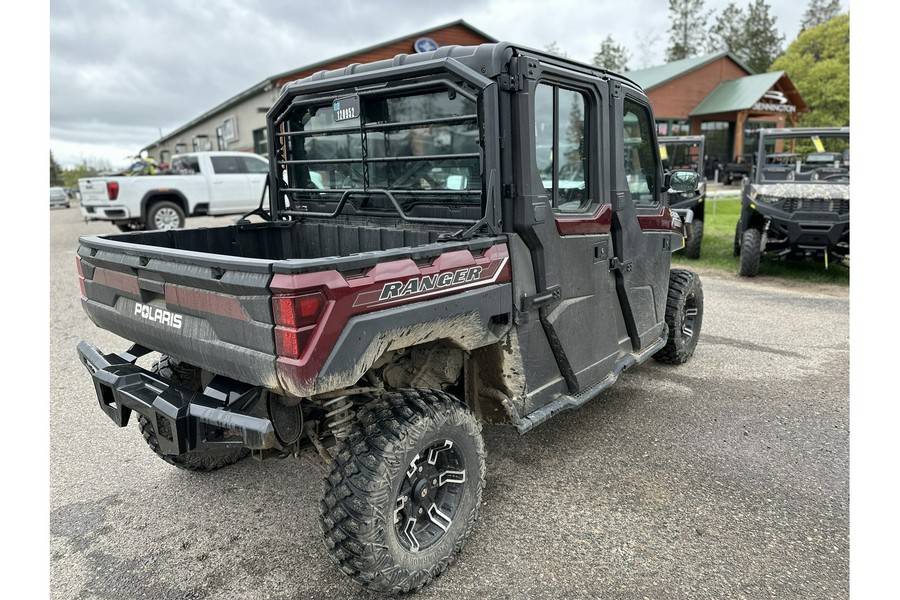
656, 76
737, 94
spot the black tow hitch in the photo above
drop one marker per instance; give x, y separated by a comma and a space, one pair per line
183, 420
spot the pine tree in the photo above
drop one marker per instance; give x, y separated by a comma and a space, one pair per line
818, 12
554, 49
763, 42
612, 56
688, 28
728, 32
55, 172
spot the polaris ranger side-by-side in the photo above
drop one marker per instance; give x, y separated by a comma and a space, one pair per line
796, 204
455, 237
687, 153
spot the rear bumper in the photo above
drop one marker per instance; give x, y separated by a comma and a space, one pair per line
106, 212
183, 420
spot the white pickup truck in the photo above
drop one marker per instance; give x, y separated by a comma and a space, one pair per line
201, 183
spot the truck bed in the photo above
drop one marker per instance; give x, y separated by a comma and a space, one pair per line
205, 296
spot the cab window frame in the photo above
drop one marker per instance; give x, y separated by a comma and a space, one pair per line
649, 148
590, 200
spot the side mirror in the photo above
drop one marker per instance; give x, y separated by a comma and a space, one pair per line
682, 181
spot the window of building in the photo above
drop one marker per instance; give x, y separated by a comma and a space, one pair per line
673, 127
640, 158
180, 148
261, 141
561, 146
718, 140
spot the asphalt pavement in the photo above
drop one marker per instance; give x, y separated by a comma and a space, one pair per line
726, 477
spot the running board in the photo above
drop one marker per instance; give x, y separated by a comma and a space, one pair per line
562, 403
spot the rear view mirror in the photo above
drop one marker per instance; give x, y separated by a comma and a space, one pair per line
683, 181
457, 182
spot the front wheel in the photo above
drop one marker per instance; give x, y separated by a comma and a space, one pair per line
684, 316
692, 246
404, 488
750, 252
165, 215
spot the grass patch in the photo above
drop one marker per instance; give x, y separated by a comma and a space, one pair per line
718, 244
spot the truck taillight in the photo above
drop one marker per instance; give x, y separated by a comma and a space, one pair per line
295, 321
112, 189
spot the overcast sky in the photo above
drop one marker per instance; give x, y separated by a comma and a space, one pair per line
122, 72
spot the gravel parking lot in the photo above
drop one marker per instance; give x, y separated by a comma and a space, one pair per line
726, 477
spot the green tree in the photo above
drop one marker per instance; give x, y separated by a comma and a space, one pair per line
71, 176
612, 56
554, 49
727, 33
56, 179
763, 42
818, 62
688, 28
819, 12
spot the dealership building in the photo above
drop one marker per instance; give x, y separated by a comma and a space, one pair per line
715, 95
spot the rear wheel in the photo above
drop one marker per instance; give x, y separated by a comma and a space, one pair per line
189, 377
737, 239
750, 252
684, 317
165, 215
692, 246
404, 488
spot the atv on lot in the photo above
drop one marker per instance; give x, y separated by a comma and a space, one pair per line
796, 204
687, 153
453, 239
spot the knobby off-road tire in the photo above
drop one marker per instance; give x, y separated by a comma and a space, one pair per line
692, 246
750, 252
189, 377
403, 492
165, 215
684, 317
737, 239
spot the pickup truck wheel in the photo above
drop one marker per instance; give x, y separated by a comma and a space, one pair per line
189, 377
692, 246
750, 252
684, 316
165, 215
403, 491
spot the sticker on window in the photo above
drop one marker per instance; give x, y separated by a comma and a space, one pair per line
345, 108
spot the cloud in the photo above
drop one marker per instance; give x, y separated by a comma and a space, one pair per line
120, 72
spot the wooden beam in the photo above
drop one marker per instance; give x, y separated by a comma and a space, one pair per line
739, 134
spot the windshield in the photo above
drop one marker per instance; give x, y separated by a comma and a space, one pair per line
681, 156
813, 157
416, 149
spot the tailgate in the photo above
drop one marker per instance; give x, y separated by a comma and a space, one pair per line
208, 310
93, 191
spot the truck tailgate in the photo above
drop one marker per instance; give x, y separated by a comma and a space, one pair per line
213, 313
93, 191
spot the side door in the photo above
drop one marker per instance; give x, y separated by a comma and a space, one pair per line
641, 220
228, 186
568, 306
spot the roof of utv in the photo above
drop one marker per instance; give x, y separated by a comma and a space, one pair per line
489, 60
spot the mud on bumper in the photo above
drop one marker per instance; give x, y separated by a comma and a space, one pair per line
183, 420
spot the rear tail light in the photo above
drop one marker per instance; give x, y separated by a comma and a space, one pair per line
112, 189
295, 320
